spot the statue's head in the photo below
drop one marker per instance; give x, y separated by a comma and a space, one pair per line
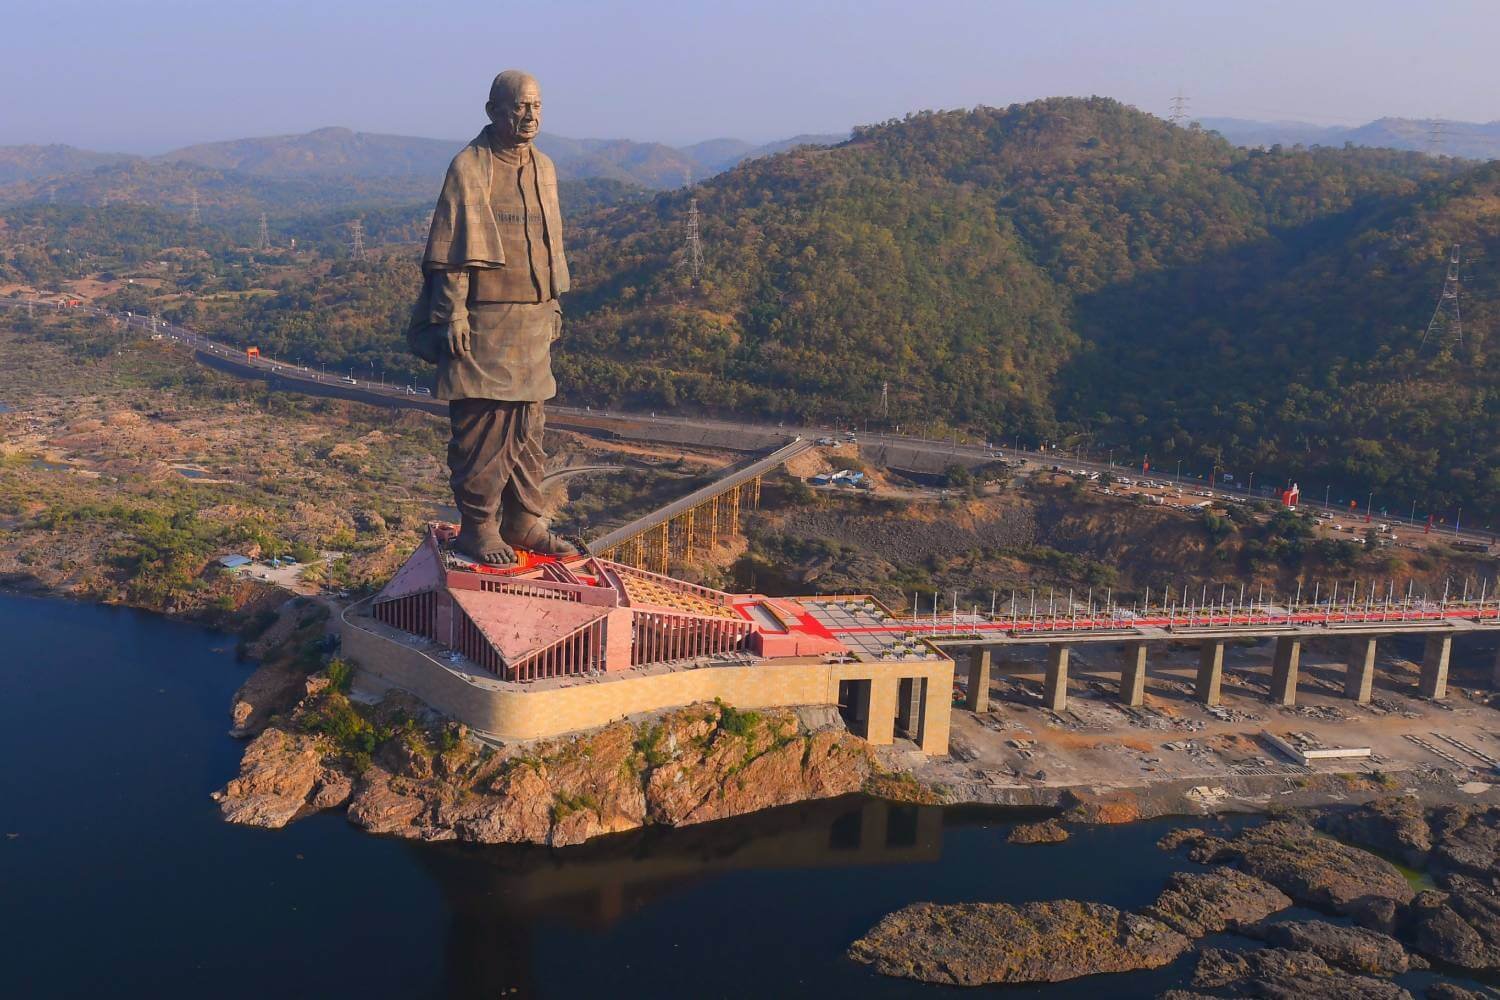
515, 106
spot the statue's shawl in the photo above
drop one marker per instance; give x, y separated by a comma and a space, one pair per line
464, 230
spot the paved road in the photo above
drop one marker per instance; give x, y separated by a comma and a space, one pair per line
746, 435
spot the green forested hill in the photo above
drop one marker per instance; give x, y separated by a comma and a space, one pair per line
1066, 270
1076, 269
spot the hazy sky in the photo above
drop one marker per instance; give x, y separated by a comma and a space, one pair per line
148, 75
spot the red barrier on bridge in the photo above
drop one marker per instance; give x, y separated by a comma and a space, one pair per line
1170, 620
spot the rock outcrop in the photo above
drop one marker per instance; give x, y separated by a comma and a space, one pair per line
273, 689
289, 652
971, 944
1048, 831
1394, 827
1186, 836
422, 779
1316, 870
1356, 949
1196, 904
1460, 926
1287, 975
1453, 991
1467, 840
279, 773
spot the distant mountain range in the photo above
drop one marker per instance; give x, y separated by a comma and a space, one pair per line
338, 169
369, 156
23, 163
1468, 140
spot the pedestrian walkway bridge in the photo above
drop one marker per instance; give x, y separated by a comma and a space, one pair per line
695, 522
1210, 627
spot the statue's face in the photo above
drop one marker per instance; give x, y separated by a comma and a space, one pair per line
519, 115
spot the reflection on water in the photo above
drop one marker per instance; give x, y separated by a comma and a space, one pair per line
593, 886
121, 880
756, 906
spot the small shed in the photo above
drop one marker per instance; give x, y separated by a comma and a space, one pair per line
234, 561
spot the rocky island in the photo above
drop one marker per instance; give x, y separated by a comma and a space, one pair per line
400, 771
1380, 924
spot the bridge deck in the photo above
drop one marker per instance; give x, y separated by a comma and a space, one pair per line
661, 515
1305, 622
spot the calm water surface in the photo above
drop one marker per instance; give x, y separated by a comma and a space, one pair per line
118, 879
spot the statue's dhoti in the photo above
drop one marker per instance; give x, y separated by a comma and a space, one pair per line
510, 354
495, 457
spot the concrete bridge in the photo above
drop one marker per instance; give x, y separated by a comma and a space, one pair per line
695, 522
1360, 627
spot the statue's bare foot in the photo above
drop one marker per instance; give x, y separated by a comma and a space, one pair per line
530, 532
482, 543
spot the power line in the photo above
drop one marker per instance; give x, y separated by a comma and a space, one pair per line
1434, 136
1448, 310
1179, 109
693, 245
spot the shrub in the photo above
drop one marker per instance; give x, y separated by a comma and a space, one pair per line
648, 745
340, 674
735, 722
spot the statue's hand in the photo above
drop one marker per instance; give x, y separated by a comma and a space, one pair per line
457, 339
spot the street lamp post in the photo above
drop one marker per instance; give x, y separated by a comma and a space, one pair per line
1327, 492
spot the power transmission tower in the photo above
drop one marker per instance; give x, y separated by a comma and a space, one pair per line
885, 399
194, 217
1434, 137
357, 247
1179, 109
694, 245
1447, 304
263, 238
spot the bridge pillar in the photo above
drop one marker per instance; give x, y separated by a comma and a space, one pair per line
978, 695
1055, 690
1284, 670
1210, 671
880, 724
937, 715
1133, 676
1434, 682
1359, 679
911, 693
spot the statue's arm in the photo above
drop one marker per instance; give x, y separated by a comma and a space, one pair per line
450, 309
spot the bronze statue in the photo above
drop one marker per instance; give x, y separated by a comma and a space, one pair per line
487, 317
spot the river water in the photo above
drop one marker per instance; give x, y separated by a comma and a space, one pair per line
118, 878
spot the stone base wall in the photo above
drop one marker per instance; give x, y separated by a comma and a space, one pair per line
533, 714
